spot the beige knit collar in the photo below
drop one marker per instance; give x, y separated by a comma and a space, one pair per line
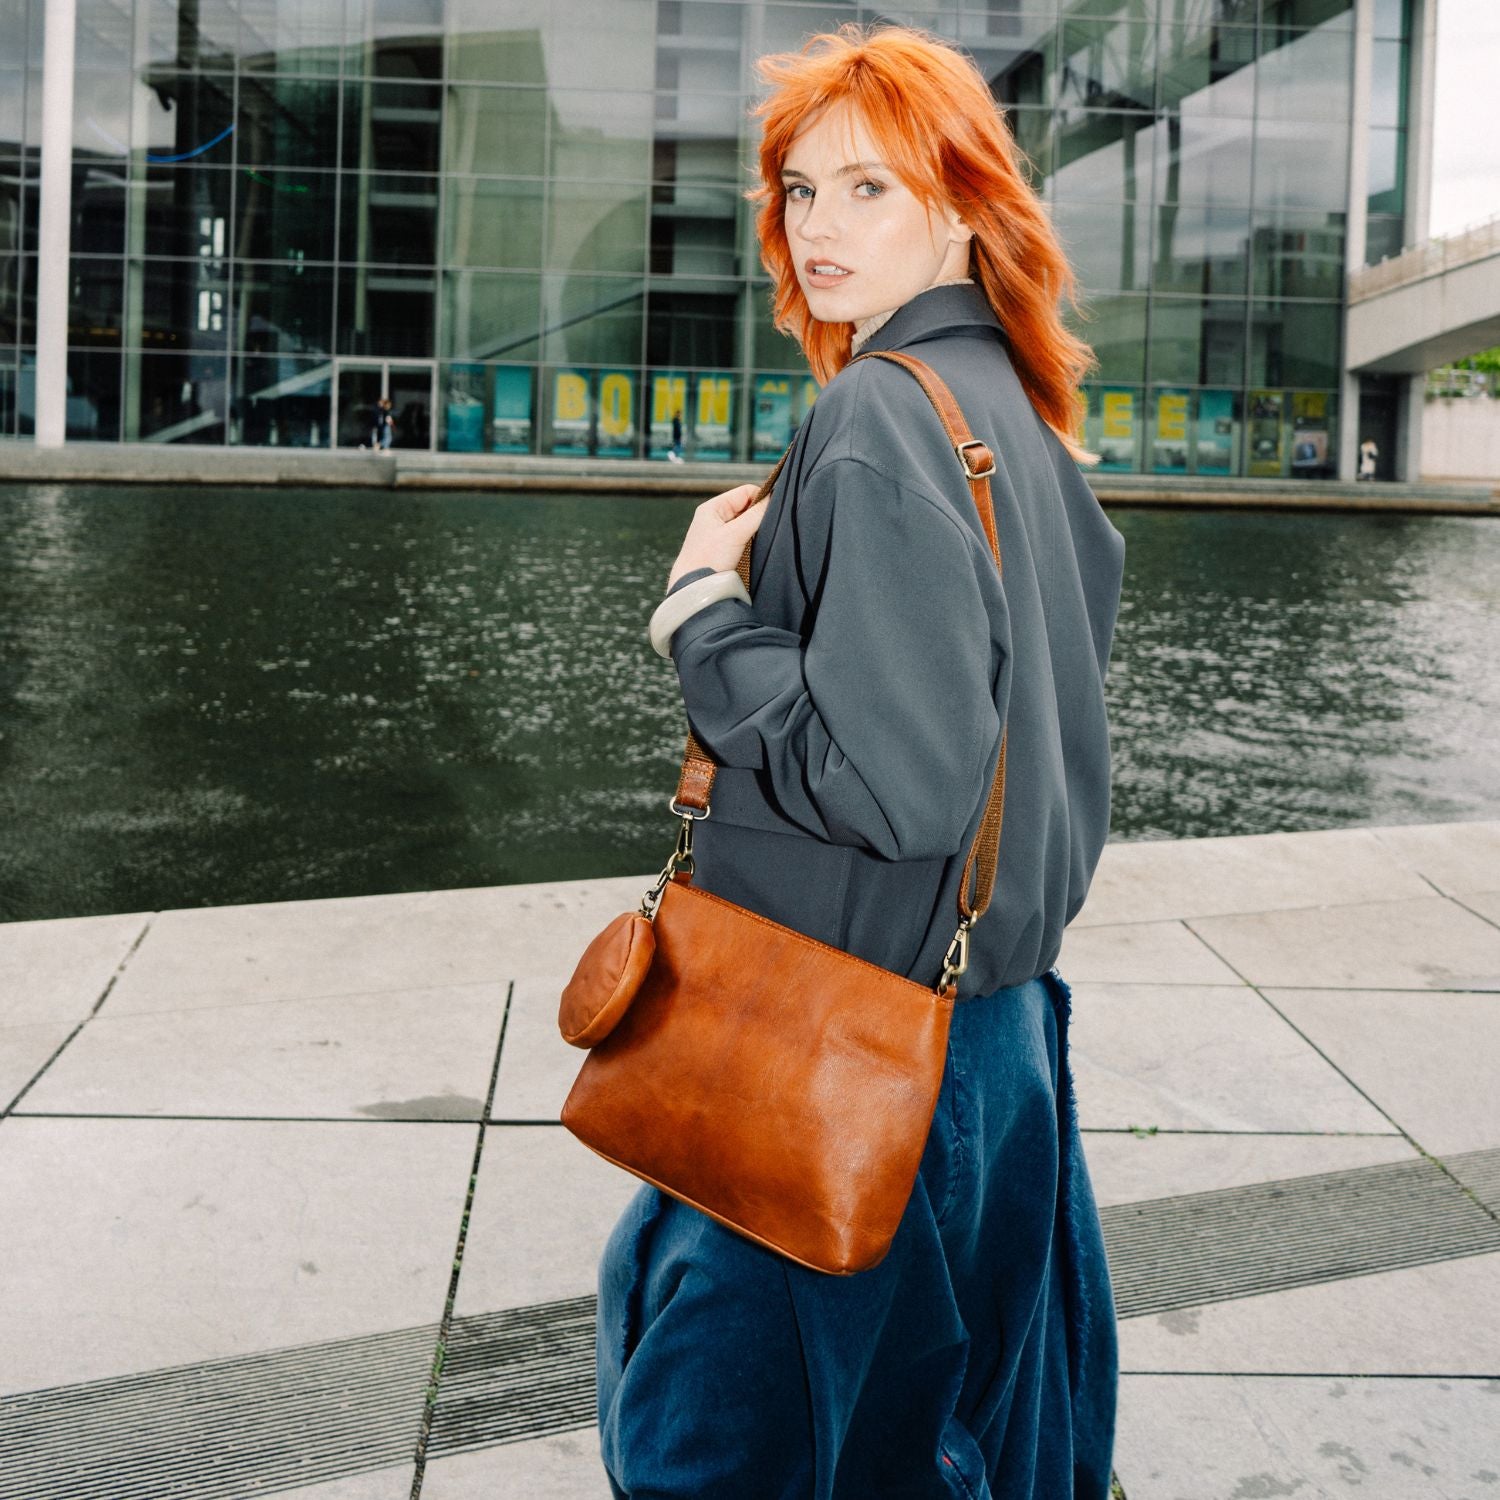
866, 327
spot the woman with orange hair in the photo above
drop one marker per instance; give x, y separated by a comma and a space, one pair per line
856, 707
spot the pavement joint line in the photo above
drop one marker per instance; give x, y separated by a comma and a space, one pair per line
68, 1114
1460, 902
434, 1383
1314, 1374
67, 1041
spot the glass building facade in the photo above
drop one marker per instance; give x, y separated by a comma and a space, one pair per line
525, 221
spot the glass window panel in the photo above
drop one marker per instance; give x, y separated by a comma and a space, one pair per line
188, 118
102, 107
281, 402
496, 132
1300, 14
696, 233
692, 328
392, 127
1023, 70
24, 330
179, 304
1198, 340
1388, 83
10, 298
184, 208
1102, 155
543, 41
388, 219
693, 158
1106, 63
1298, 255
1115, 326
1200, 159
1115, 426
98, 207
394, 38
1031, 129
93, 400
492, 222
286, 215
282, 309
10, 392
593, 320
1387, 171
1108, 244
1384, 235
181, 398
291, 36
103, 35
287, 122
192, 35
489, 316
385, 310
601, 134
771, 349
12, 107
1305, 76
1294, 343
96, 302
1200, 248
1301, 164
1207, 69
596, 226
1391, 18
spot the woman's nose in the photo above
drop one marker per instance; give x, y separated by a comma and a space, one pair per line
816, 222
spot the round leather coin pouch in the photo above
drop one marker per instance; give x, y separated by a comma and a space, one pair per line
606, 979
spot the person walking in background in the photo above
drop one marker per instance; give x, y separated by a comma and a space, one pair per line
384, 430
856, 707
674, 453
1368, 454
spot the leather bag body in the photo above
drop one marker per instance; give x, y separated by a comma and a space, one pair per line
779, 1085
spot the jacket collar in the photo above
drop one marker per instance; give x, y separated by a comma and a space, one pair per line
940, 310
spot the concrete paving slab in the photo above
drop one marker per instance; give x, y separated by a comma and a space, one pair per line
56, 971
1162, 880
406, 1055
381, 1484
565, 1466
1458, 858
1429, 1061
363, 944
24, 1049
1141, 953
1438, 1319
130, 1245
543, 1207
1184, 1057
1129, 1168
1432, 944
1194, 1437
537, 1067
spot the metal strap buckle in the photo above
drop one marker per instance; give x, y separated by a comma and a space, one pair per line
963, 458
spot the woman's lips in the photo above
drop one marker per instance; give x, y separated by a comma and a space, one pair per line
825, 273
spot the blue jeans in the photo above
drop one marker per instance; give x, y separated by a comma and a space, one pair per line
977, 1361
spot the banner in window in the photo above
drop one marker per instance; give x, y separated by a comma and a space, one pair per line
1215, 453
1117, 445
711, 418
616, 438
570, 411
668, 400
1310, 437
510, 426
774, 420
1169, 438
1264, 433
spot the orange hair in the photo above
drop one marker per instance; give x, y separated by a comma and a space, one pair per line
945, 137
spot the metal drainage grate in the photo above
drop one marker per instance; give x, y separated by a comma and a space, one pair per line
1169, 1253
258, 1424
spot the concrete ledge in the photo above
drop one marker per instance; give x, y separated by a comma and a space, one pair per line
145, 463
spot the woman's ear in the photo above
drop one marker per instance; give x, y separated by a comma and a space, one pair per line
958, 232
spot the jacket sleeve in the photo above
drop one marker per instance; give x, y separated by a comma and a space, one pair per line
877, 728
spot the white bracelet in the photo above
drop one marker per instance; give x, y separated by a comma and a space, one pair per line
687, 601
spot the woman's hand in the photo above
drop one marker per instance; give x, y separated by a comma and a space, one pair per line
719, 530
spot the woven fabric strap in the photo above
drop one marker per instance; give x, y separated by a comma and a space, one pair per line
698, 766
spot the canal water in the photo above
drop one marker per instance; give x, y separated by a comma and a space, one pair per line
218, 695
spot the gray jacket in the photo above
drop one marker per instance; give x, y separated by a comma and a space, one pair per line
855, 707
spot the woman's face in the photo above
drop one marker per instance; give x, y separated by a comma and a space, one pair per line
862, 243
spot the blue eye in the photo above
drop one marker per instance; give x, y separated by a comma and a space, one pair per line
796, 188
876, 188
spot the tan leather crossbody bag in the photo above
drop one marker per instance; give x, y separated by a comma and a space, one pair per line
779, 1085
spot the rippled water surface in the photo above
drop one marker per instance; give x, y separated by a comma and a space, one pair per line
219, 695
